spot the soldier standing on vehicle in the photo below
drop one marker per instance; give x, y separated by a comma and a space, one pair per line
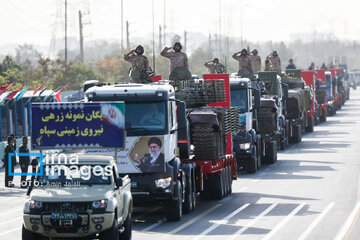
291, 64
323, 66
9, 148
275, 61
140, 65
255, 61
215, 67
24, 161
245, 69
312, 66
179, 66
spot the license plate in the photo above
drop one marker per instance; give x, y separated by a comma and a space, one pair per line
133, 184
63, 216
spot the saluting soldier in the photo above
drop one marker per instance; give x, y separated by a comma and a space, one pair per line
245, 69
139, 65
255, 61
179, 66
275, 61
215, 67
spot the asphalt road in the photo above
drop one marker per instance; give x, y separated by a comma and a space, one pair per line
311, 192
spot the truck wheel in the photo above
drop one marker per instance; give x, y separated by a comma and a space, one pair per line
251, 163
225, 181
174, 207
111, 233
27, 235
230, 179
188, 201
126, 234
323, 116
218, 186
271, 156
297, 134
310, 125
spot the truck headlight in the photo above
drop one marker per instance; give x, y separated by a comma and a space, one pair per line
99, 204
163, 182
245, 146
35, 204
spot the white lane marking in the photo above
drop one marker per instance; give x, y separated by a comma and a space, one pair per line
194, 219
11, 220
11, 211
316, 221
252, 222
216, 225
152, 226
283, 222
348, 223
10, 231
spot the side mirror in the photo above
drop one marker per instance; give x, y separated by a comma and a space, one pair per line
256, 98
118, 182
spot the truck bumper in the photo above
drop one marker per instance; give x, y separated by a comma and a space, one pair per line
40, 224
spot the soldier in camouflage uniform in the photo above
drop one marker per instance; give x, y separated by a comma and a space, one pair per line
275, 61
179, 66
245, 69
255, 61
215, 67
139, 65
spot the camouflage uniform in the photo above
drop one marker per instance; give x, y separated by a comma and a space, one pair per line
215, 67
275, 62
179, 67
244, 61
139, 63
255, 63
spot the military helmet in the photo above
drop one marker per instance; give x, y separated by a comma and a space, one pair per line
177, 44
141, 48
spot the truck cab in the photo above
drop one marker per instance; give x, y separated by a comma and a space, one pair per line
330, 97
246, 142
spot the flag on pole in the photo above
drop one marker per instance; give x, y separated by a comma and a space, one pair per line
14, 92
48, 96
41, 92
41, 86
58, 94
4, 97
17, 98
4, 88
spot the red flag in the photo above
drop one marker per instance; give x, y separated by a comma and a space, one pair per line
42, 85
58, 94
13, 93
3, 89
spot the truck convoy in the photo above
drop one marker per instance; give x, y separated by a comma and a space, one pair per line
178, 140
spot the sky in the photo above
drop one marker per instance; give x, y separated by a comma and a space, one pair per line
37, 22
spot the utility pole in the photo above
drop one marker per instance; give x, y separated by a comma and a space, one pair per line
219, 28
122, 27
81, 38
160, 38
185, 40
127, 35
164, 23
153, 29
66, 58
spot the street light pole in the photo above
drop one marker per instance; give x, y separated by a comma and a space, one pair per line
153, 29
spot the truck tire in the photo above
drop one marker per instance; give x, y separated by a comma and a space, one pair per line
251, 163
271, 152
126, 234
218, 186
323, 116
310, 125
226, 182
111, 233
188, 201
27, 235
230, 179
297, 134
174, 207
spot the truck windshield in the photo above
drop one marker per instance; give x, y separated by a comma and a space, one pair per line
239, 99
145, 118
74, 174
328, 85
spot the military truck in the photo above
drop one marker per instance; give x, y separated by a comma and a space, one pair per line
295, 104
310, 100
271, 122
70, 203
246, 142
178, 144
